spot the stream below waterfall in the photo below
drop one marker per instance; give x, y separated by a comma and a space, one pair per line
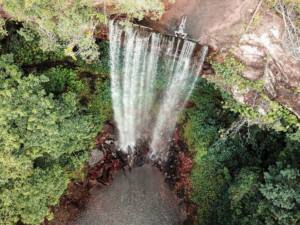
113, 194
138, 198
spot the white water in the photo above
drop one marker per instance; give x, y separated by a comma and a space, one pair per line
143, 107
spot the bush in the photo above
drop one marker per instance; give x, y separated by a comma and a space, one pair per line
62, 80
204, 121
99, 67
209, 178
244, 197
100, 104
250, 147
210, 181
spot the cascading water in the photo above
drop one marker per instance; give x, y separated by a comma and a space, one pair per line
152, 77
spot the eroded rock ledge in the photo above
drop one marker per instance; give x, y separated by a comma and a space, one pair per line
222, 25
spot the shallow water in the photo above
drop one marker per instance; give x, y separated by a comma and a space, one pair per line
137, 198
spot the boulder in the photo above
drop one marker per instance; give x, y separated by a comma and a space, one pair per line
96, 156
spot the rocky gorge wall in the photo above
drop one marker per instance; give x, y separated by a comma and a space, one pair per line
234, 27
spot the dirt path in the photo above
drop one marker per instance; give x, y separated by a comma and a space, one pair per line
137, 198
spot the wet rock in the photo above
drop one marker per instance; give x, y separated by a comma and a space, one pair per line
108, 142
105, 135
95, 157
177, 170
189, 104
141, 154
206, 66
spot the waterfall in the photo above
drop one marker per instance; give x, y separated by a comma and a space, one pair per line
152, 76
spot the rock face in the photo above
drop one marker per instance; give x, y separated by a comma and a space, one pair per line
211, 22
221, 25
95, 157
262, 50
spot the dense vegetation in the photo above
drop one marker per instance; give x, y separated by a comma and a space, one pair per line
51, 109
55, 97
246, 172
70, 26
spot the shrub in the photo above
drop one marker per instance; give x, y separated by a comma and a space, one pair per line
244, 197
62, 80
209, 182
209, 178
251, 146
99, 67
100, 104
206, 119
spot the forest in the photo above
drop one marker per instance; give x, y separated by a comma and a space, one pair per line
55, 97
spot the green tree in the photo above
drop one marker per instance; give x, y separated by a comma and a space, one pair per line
43, 141
281, 192
139, 8
210, 182
231, 157
68, 25
62, 80
206, 118
244, 197
27, 51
